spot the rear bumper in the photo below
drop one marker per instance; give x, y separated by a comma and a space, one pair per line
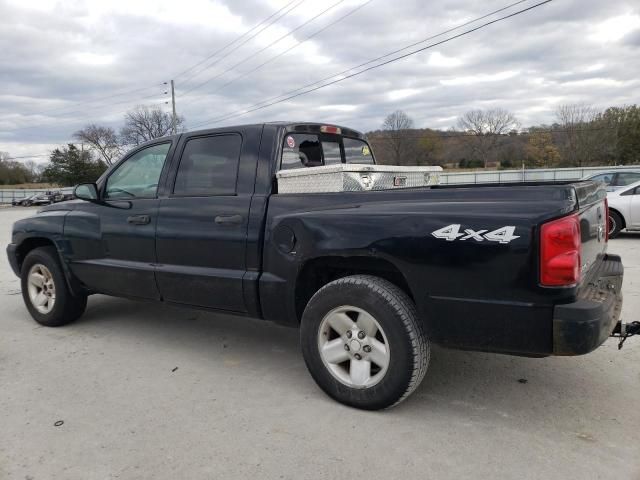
582, 326
13, 258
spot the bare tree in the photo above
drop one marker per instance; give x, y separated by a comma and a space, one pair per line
487, 128
101, 139
396, 125
143, 124
574, 121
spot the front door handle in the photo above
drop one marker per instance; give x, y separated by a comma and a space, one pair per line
228, 219
139, 219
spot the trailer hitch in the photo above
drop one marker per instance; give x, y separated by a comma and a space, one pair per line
624, 331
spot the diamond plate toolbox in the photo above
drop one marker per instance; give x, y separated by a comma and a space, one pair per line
355, 178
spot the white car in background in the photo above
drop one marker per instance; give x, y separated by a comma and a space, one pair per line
624, 209
615, 179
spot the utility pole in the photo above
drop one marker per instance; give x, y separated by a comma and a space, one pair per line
173, 106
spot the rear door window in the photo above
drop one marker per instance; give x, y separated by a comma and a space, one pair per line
209, 166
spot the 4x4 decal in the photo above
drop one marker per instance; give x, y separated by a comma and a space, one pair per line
452, 232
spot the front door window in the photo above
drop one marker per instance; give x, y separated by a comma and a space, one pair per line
138, 176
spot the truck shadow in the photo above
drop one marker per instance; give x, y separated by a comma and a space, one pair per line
465, 387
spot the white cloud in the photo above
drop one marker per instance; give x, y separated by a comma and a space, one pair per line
338, 108
595, 67
95, 59
194, 12
594, 82
437, 59
613, 29
402, 93
480, 78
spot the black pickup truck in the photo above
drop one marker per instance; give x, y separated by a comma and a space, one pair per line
371, 277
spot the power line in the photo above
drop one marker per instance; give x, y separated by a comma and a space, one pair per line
64, 110
99, 99
233, 41
64, 121
389, 54
378, 65
298, 3
29, 156
275, 57
249, 57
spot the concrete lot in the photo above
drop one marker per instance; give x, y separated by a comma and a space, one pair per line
241, 405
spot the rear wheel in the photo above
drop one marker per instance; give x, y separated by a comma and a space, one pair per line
45, 291
615, 224
363, 343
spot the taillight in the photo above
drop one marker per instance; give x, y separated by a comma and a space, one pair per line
560, 252
606, 223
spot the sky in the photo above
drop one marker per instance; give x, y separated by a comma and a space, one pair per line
65, 64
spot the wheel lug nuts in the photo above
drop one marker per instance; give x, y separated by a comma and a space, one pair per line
358, 357
361, 334
346, 347
349, 333
366, 348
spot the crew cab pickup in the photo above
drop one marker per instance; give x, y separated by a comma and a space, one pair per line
372, 278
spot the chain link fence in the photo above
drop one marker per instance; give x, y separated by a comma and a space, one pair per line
9, 195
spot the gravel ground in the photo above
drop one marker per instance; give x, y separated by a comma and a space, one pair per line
147, 391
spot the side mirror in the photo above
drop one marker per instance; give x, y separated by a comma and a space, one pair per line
86, 191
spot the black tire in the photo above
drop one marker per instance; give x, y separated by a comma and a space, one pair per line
67, 307
615, 224
395, 313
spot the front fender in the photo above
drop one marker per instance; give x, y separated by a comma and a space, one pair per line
45, 228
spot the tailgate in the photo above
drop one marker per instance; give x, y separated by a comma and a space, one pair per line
592, 210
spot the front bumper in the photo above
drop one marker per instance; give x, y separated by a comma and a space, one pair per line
13, 258
582, 326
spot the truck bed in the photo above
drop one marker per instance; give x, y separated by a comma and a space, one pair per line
475, 293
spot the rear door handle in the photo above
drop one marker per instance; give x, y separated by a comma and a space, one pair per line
228, 219
139, 219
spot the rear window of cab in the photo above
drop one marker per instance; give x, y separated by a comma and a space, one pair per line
302, 150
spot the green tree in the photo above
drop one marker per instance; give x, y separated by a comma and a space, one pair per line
619, 130
12, 172
69, 166
428, 148
541, 151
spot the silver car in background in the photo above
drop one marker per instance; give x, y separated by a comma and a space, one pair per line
615, 179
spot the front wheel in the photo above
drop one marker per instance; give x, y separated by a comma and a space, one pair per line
45, 291
363, 343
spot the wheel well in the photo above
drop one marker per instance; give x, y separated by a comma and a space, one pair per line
30, 244
318, 272
624, 222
